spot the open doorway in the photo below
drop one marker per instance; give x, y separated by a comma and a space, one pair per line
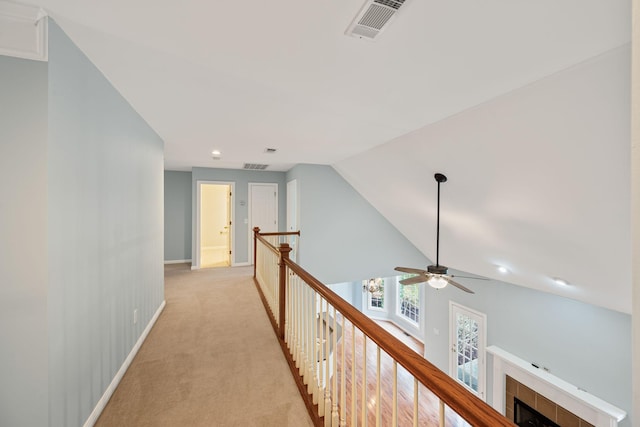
214, 246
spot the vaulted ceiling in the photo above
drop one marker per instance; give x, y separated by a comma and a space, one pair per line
523, 104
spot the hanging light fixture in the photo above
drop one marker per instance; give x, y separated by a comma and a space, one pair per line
374, 286
437, 281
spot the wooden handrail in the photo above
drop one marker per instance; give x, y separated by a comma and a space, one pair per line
281, 233
454, 395
258, 236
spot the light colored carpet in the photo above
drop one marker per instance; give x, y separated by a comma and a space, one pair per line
212, 359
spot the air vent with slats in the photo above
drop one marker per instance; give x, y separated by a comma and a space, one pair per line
391, 3
255, 166
373, 18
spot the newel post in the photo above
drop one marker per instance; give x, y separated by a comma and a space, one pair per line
282, 276
256, 231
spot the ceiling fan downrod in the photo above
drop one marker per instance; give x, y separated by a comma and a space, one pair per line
440, 178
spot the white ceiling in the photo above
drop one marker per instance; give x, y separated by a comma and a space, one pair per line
243, 76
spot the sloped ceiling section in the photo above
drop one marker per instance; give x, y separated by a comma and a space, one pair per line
242, 76
539, 182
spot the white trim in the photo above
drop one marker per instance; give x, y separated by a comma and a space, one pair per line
24, 32
586, 406
95, 414
177, 261
293, 224
241, 264
196, 259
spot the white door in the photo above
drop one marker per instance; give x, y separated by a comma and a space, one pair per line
468, 341
263, 210
292, 216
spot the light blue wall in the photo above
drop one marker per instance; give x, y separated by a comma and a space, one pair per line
23, 243
177, 215
585, 345
343, 238
242, 178
105, 231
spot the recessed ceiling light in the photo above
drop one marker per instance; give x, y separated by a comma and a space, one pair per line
502, 269
270, 150
560, 281
216, 153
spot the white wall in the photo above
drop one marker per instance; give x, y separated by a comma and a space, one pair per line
105, 231
23, 243
635, 200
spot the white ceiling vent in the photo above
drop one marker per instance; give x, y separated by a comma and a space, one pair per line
374, 17
255, 166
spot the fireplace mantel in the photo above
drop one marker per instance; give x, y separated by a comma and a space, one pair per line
586, 406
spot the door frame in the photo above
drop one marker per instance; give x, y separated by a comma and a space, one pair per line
455, 307
232, 243
292, 193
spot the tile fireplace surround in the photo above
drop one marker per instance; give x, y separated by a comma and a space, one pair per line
549, 409
556, 399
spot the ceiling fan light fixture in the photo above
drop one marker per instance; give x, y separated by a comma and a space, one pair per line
437, 282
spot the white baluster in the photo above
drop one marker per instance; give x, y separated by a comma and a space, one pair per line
364, 380
354, 412
415, 402
394, 415
335, 419
304, 332
327, 371
320, 362
378, 405
316, 335
310, 296
343, 385
296, 333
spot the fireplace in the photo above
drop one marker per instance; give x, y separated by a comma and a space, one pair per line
525, 416
564, 404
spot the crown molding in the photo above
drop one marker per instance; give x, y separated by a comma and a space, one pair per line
24, 31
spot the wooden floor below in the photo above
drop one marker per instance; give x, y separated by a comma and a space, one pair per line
367, 396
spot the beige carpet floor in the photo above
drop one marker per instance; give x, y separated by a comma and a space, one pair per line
212, 359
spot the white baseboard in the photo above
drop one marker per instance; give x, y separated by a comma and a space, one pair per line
195, 267
125, 365
177, 261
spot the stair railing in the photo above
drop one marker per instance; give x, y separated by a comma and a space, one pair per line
349, 370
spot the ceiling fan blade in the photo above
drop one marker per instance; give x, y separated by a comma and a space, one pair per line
411, 270
469, 277
459, 286
415, 279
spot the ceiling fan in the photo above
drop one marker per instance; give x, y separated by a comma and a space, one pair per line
435, 275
